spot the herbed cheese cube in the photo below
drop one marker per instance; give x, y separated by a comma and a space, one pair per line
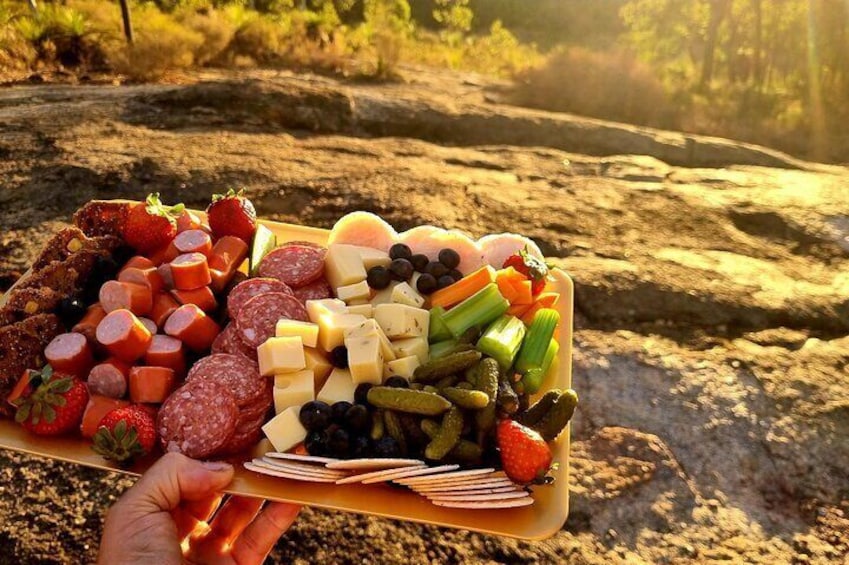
401, 321
366, 309
403, 367
281, 355
317, 362
354, 292
370, 327
293, 389
339, 386
318, 308
404, 294
331, 329
411, 346
307, 331
365, 360
285, 431
343, 265
384, 296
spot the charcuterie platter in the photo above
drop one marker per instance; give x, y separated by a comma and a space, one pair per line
421, 376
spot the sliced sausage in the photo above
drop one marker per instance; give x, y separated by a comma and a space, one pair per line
149, 277
149, 324
257, 319
163, 306
70, 353
193, 327
166, 351
117, 295
98, 406
138, 262
230, 372
123, 335
228, 253
151, 384
190, 271
246, 290
197, 420
109, 378
201, 297
193, 241
88, 324
295, 265
167, 278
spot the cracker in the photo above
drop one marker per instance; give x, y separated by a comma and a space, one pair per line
480, 497
374, 463
296, 467
304, 458
286, 474
485, 505
490, 483
459, 475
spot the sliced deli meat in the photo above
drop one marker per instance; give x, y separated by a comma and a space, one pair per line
295, 265
197, 419
316, 290
247, 289
430, 240
231, 372
228, 341
365, 229
498, 247
258, 317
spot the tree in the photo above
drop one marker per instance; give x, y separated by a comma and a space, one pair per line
454, 15
128, 24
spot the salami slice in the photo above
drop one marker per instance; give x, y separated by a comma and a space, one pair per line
228, 341
295, 265
246, 290
315, 290
304, 243
241, 441
232, 373
197, 419
258, 317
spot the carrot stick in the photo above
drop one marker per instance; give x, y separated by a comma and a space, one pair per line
544, 300
464, 288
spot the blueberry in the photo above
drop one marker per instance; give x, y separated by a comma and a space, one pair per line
401, 269
361, 393
400, 251
357, 418
378, 277
426, 283
455, 274
360, 447
315, 415
449, 258
338, 411
419, 261
443, 281
387, 447
339, 357
316, 443
339, 443
436, 269
397, 382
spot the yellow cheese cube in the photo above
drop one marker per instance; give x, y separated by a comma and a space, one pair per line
353, 292
331, 329
373, 257
318, 308
285, 431
339, 386
370, 327
400, 320
317, 362
405, 294
343, 265
293, 389
411, 346
307, 331
403, 367
280, 355
365, 360
366, 309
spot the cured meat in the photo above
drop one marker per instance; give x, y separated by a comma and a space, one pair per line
430, 240
295, 265
228, 341
109, 379
192, 326
231, 372
316, 290
246, 290
241, 441
363, 228
256, 320
124, 335
498, 247
197, 419
193, 241
166, 351
70, 353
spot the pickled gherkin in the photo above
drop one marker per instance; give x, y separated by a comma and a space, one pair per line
393, 428
539, 408
377, 427
408, 400
468, 399
447, 436
487, 382
556, 418
436, 369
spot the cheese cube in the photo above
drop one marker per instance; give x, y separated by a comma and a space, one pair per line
285, 431
372, 257
365, 360
307, 331
366, 309
400, 320
331, 332
411, 346
317, 308
404, 294
318, 363
353, 292
293, 389
403, 367
339, 386
384, 296
370, 327
343, 265
281, 355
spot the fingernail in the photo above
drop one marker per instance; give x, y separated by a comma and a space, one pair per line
216, 466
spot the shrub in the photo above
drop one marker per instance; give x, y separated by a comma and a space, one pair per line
216, 29
258, 38
60, 33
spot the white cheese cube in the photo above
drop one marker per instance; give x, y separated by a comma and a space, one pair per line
285, 431
281, 355
318, 363
365, 360
293, 389
403, 367
354, 292
307, 331
370, 327
404, 294
373, 257
343, 265
411, 346
339, 386
317, 308
331, 329
366, 309
400, 320
384, 296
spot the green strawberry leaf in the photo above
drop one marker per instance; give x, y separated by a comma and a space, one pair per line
49, 414
23, 413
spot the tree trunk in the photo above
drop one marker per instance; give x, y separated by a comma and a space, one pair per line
717, 14
128, 24
758, 72
33, 6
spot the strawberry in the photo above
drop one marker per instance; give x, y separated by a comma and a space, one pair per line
232, 214
524, 454
125, 433
55, 406
150, 225
532, 267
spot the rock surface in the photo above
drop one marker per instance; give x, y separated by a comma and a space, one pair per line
711, 358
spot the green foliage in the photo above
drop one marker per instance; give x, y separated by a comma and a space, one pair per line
454, 15
389, 27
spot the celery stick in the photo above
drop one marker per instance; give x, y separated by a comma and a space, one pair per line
502, 340
479, 309
534, 377
536, 342
442, 348
438, 330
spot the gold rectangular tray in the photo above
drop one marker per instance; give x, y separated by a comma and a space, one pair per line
537, 521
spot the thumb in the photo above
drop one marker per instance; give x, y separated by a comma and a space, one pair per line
175, 478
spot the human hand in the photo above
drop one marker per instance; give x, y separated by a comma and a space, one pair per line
162, 519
